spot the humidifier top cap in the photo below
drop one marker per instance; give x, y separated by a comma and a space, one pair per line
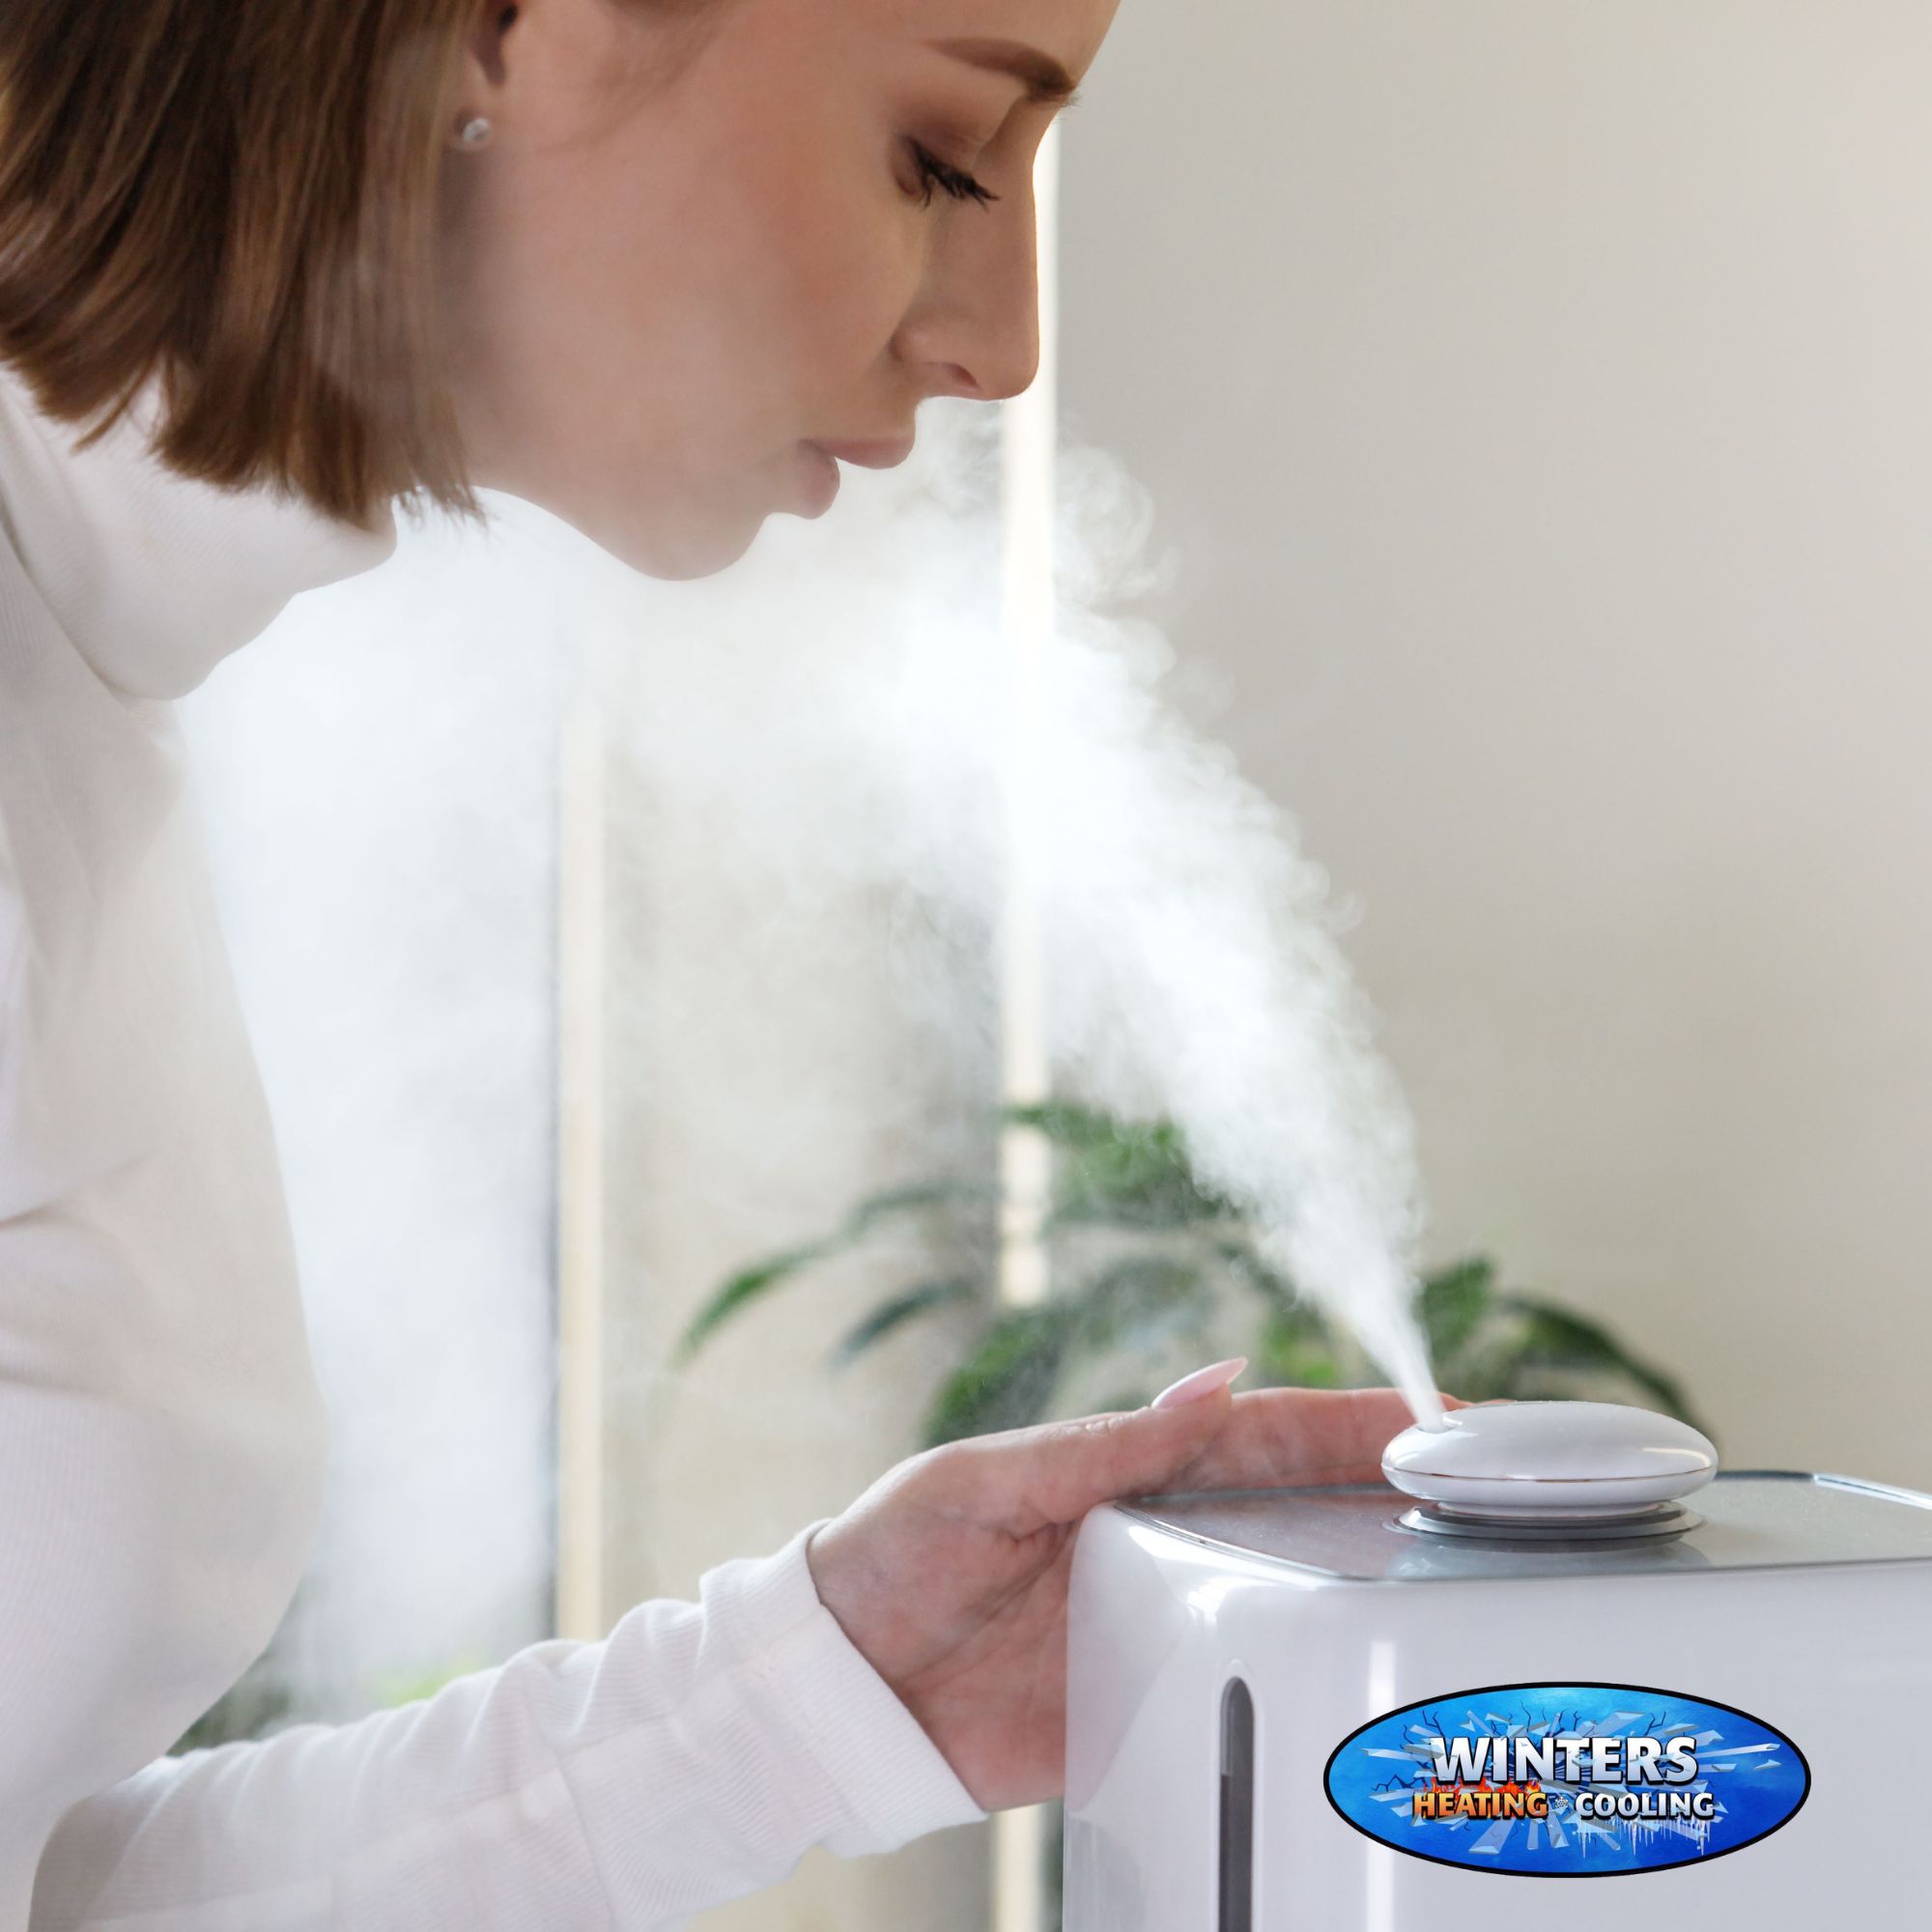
1538, 1458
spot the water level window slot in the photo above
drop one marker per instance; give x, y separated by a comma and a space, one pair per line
1237, 1809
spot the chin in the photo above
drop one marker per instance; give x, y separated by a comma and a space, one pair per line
685, 562
675, 551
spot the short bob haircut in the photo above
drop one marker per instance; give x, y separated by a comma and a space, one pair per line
240, 198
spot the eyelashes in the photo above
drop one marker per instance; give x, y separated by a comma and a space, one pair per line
935, 174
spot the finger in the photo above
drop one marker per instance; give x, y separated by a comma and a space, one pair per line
1276, 1438
1030, 1479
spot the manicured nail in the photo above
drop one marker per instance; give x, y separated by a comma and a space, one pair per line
1203, 1383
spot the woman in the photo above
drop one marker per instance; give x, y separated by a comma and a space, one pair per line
656, 264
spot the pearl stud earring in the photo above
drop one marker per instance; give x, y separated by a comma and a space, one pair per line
473, 130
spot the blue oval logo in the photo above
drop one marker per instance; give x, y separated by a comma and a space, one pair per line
1567, 1780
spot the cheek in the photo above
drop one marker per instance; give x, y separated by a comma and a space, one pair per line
829, 258
665, 314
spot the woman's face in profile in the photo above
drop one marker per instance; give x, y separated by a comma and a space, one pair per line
703, 245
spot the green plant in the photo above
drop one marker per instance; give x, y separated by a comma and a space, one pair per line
259, 1703
255, 1705
1149, 1266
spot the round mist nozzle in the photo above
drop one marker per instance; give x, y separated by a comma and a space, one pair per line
1552, 1467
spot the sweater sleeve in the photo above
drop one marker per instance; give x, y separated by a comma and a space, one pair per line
693, 1755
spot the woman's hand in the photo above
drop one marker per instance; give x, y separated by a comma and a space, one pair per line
950, 1573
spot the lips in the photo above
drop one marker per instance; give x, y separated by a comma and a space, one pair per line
877, 455
812, 485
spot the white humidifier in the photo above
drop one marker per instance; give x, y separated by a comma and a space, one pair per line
1559, 1646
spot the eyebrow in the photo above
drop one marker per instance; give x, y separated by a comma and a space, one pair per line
1048, 82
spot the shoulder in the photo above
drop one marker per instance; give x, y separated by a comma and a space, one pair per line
153, 577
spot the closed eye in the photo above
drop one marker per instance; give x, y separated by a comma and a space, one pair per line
933, 173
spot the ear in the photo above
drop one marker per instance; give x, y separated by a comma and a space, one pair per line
485, 67
568, 58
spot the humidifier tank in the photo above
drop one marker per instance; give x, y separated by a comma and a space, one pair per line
1358, 1709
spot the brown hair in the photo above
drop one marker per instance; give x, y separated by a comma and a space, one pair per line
240, 197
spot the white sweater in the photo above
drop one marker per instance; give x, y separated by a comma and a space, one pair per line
161, 1438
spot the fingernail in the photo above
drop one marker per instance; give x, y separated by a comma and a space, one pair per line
1201, 1383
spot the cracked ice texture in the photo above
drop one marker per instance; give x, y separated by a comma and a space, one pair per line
1755, 1778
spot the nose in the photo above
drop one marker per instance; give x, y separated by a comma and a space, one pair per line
974, 328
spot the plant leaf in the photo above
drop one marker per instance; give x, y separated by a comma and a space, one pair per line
915, 1197
1272, 1286
1295, 1350
752, 1284
745, 1287
412, 1688
1008, 1381
1129, 1324
1453, 1303
1125, 1299
1065, 1122
1120, 1173
893, 1313
248, 1708
1557, 1338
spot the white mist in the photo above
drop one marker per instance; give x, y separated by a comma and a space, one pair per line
837, 712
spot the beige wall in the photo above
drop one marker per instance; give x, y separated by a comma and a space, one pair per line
1536, 392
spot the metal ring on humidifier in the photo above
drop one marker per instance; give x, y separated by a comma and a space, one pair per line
1551, 1472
